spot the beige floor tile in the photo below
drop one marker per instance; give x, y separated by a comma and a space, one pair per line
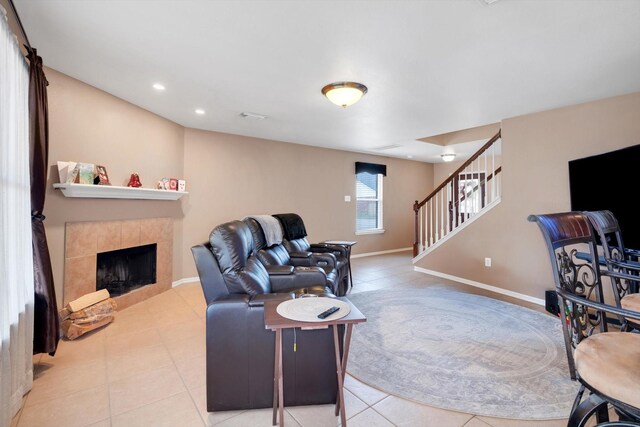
193, 371
145, 388
103, 423
257, 418
323, 415
362, 391
188, 348
127, 342
183, 330
137, 361
504, 422
368, 418
191, 293
177, 410
476, 422
73, 410
57, 382
169, 317
169, 300
129, 322
87, 348
405, 413
199, 396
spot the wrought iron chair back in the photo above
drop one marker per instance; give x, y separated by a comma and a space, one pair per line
568, 235
617, 257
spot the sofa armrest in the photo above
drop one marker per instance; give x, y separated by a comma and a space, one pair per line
279, 270
260, 299
325, 247
302, 277
315, 259
300, 254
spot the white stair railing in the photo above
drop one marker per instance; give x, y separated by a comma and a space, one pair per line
475, 185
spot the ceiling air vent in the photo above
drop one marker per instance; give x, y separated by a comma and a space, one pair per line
253, 116
387, 147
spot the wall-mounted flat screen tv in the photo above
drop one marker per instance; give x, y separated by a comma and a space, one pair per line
609, 181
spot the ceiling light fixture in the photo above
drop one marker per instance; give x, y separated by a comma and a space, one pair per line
448, 157
158, 86
200, 111
344, 93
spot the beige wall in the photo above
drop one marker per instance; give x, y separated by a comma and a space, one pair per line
89, 125
536, 149
230, 177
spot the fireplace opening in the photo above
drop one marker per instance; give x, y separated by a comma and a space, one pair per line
124, 270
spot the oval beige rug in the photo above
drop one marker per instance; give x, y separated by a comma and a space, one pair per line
462, 352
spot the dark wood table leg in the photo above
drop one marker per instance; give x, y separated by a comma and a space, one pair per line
340, 402
349, 265
345, 357
278, 392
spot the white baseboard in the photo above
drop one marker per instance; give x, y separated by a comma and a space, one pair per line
185, 280
390, 251
482, 286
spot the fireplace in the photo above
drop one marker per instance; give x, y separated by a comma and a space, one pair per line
86, 242
124, 270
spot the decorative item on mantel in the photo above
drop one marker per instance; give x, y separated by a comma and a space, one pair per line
134, 181
172, 184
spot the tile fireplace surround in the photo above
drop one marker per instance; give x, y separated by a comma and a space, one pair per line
84, 240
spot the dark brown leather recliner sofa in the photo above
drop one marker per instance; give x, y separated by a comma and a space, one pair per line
240, 351
278, 255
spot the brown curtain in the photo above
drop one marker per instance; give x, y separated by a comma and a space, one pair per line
46, 324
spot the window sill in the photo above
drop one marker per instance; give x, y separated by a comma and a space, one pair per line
372, 231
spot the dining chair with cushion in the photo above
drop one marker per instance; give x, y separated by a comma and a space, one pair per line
604, 362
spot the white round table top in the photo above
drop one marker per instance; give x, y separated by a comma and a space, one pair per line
307, 309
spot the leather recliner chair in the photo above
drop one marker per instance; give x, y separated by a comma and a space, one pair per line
277, 254
240, 351
295, 240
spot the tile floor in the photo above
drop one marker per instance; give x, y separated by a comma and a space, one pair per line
148, 369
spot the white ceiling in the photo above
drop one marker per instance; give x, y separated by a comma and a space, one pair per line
431, 66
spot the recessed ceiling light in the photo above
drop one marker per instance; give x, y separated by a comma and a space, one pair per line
200, 111
158, 86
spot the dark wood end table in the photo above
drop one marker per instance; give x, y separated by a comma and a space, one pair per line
275, 322
347, 244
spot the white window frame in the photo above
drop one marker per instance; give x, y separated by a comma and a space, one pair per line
379, 229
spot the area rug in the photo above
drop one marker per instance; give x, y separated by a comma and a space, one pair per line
462, 352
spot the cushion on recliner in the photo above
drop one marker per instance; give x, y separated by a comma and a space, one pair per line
232, 245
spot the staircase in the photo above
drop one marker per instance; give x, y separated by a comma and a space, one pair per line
473, 189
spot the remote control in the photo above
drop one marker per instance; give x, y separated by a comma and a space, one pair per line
328, 312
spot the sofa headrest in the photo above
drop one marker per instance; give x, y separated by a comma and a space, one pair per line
259, 241
232, 245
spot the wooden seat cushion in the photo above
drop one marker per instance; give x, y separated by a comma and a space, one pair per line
631, 302
609, 363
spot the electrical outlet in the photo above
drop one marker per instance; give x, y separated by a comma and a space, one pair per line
347, 198
487, 262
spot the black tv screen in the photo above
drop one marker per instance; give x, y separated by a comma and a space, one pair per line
608, 182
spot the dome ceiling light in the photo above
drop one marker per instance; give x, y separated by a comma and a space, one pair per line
344, 94
448, 157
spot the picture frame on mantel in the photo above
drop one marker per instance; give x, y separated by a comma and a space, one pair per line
102, 178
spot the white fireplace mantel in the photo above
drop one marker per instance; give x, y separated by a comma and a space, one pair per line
116, 192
